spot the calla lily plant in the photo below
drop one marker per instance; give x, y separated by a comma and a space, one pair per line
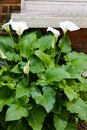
43, 81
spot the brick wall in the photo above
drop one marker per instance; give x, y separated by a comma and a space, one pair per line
78, 38
7, 7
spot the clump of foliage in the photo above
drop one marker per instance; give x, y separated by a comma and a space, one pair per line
43, 81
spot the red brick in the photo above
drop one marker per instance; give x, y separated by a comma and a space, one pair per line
77, 47
4, 17
4, 8
14, 8
73, 36
10, 1
82, 37
82, 31
0, 8
1, 18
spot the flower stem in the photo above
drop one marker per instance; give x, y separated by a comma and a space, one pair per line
19, 37
12, 39
61, 48
6, 63
28, 78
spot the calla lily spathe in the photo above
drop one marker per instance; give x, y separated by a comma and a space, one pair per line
19, 27
6, 26
56, 34
67, 25
54, 31
2, 55
84, 74
26, 68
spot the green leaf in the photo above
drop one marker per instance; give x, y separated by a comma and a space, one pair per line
73, 84
71, 126
19, 125
8, 81
22, 89
56, 74
83, 85
75, 55
36, 65
78, 106
23, 101
12, 56
45, 58
39, 113
16, 112
46, 98
80, 65
65, 44
3, 69
77, 60
70, 93
16, 69
71, 69
59, 123
45, 42
10, 84
6, 96
57, 107
28, 44
4, 102
6, 42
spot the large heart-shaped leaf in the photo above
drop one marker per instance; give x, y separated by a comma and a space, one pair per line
6, 96
36, 65
45, 42
12, 56
71, 69
78, 106
36, 118
65, 44
80, 65
45, 58
22, 89
6, 42
16, 112
28, 43
19, 125
59, 123
75, 55
70, 93
56, 74
46, 98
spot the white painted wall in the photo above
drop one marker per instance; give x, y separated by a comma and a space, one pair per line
44, 13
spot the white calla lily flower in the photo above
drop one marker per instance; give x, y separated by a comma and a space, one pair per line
84, 74
19, 27
54, 31
67, 25
7, 26
26, 68
56, 34
2, 55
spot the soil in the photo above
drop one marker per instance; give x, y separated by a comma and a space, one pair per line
82, 126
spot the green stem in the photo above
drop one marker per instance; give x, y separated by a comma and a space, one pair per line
6, 63
61, 49
28, 78
54, 47
19, 38
12, 39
